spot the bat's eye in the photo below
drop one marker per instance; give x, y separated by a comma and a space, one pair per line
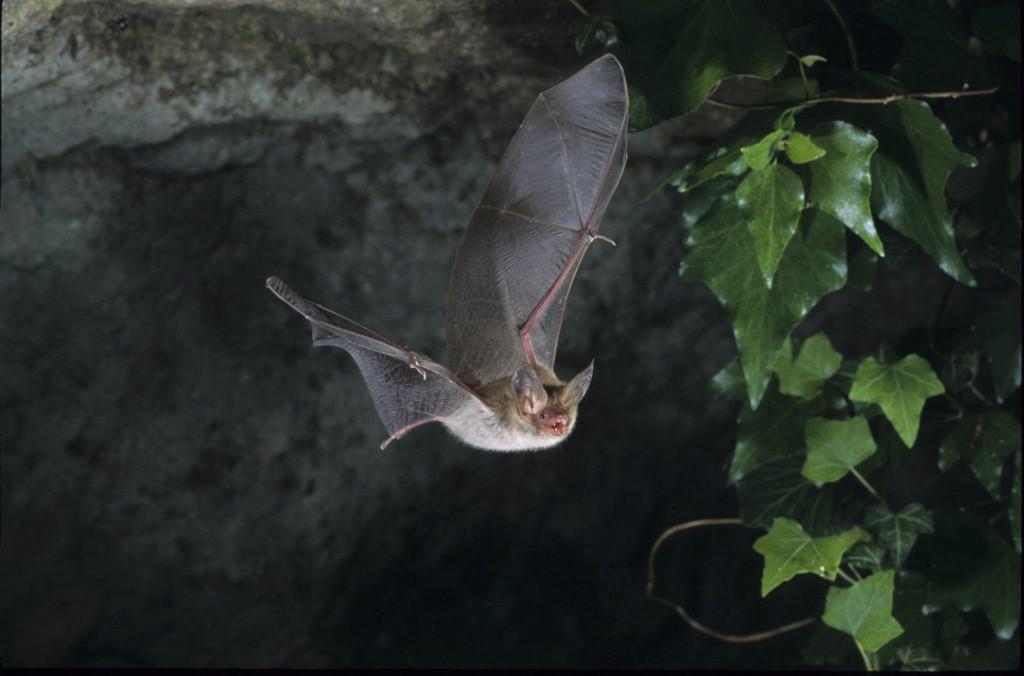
541, 416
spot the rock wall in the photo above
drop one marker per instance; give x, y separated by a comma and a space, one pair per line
186, 482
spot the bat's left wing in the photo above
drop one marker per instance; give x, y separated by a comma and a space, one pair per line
408, 389
541, 211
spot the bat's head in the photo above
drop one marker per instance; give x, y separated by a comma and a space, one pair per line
551, 411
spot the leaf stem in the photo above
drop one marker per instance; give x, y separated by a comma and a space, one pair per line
868, 664
857, 475
974, 390
867, 100
803, 73
845, 576
846, 32
732, 638
582, 11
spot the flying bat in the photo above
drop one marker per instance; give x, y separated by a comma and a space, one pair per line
509, 284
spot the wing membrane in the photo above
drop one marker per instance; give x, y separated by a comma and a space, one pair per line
407, 388
540, 212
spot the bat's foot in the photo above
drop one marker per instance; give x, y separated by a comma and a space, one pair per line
414, 364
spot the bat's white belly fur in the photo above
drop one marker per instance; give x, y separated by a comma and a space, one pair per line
481, 427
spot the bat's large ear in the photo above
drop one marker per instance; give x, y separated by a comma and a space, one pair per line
530, 394
577, 387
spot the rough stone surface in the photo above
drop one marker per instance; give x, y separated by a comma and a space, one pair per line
186, 482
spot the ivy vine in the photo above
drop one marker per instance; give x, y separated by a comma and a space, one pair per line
886, 138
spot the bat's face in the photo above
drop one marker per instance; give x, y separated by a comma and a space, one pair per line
554, 420
555, 417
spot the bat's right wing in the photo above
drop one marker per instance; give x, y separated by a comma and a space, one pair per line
541, 211
408, 389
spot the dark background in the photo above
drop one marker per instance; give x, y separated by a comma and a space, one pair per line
186, 482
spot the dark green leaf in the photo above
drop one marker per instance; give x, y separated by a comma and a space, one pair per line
866, 556
864, 611
959, 371
722, 257
998, 27
933, 149
985, 441
677, 52
899, 202
800, 149
919, 629
914, 658
771, 200
803, 376
936, 52
899, 531
1000, 437
836, 447
993, 586
759, 154
592, 31
773, 430
998, 330
841, 180
727, 162
900, 389
776, 488
788, 551
728, 383
642, 113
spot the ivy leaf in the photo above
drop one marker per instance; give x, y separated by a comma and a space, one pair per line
899, 202
866, 555
642, 113
759, 154
788, 551
771, 200
864, 611
913, 658
936, 51
776, 488
728, 383
729, 162
677, 52
991, 585
1000, 437
985, 441
800, 149
836, 447
773, 430
899, 531
999, 333
841, 180
594, 32
803, 376
722, 257
933, 149
900, 389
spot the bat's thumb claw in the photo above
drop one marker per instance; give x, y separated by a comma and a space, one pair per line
605, 239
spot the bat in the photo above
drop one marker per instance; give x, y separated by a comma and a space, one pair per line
509, 283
